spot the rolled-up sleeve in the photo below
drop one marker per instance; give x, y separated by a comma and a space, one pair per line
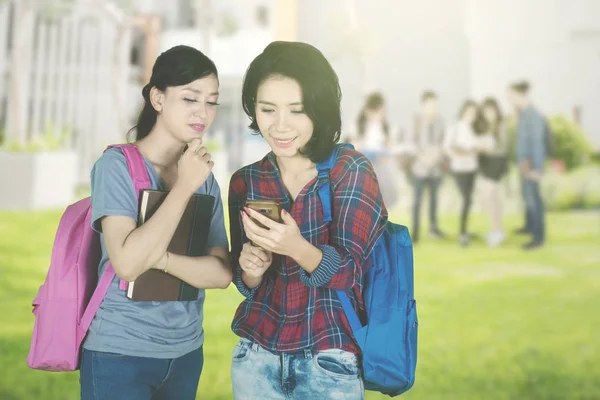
358, 219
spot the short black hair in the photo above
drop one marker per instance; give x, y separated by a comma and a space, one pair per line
428, 94
321, 93
521, 87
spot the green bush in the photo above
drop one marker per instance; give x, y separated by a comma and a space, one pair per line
592, 197
51, 139
577, 189
589, 181
561, 192
570, 142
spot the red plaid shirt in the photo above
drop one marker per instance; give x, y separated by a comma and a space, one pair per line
292, 310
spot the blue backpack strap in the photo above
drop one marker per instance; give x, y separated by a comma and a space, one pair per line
353, 320
323, 169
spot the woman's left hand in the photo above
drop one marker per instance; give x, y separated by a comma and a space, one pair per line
280, 238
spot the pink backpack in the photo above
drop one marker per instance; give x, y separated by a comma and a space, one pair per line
69, 298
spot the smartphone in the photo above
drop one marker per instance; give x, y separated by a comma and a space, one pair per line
269, 208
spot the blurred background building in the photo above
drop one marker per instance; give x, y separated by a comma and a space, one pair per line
497, 323
73, 69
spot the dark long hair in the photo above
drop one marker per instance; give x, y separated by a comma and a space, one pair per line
496, 125
177, 66
374, 102
321, 93
479, 125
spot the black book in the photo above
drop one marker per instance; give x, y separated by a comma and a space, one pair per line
190, 239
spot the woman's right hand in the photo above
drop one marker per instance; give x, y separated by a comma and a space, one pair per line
254, 261
194, 167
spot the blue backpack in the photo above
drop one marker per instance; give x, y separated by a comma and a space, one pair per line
388, 341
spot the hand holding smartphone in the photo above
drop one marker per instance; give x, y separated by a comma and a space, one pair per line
269, 208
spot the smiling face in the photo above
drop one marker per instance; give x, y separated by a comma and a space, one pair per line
280, 116
188, 111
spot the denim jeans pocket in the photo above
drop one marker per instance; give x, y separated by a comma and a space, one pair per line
337, 363
241, 351
108, 355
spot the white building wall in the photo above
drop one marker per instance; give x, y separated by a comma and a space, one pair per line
553, 44
420, 45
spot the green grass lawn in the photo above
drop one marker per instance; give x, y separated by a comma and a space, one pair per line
494, 324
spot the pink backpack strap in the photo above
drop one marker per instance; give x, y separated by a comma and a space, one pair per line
97, 297
141, 181
136, 165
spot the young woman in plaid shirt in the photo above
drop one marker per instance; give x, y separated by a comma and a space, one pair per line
295, 340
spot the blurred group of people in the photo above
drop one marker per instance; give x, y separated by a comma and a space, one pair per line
474, 147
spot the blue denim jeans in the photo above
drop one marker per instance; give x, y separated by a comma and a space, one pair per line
259, 374
113, 376
534, 214
419, 186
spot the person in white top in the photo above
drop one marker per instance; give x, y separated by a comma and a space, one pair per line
463, 146
372, 129
373, 138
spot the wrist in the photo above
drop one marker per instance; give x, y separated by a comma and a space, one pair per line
182, 192
251, 281
305, 252
299, 251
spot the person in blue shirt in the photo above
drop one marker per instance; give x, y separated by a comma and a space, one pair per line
531, 157
145, 349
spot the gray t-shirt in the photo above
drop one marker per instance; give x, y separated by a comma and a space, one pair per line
144, 329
